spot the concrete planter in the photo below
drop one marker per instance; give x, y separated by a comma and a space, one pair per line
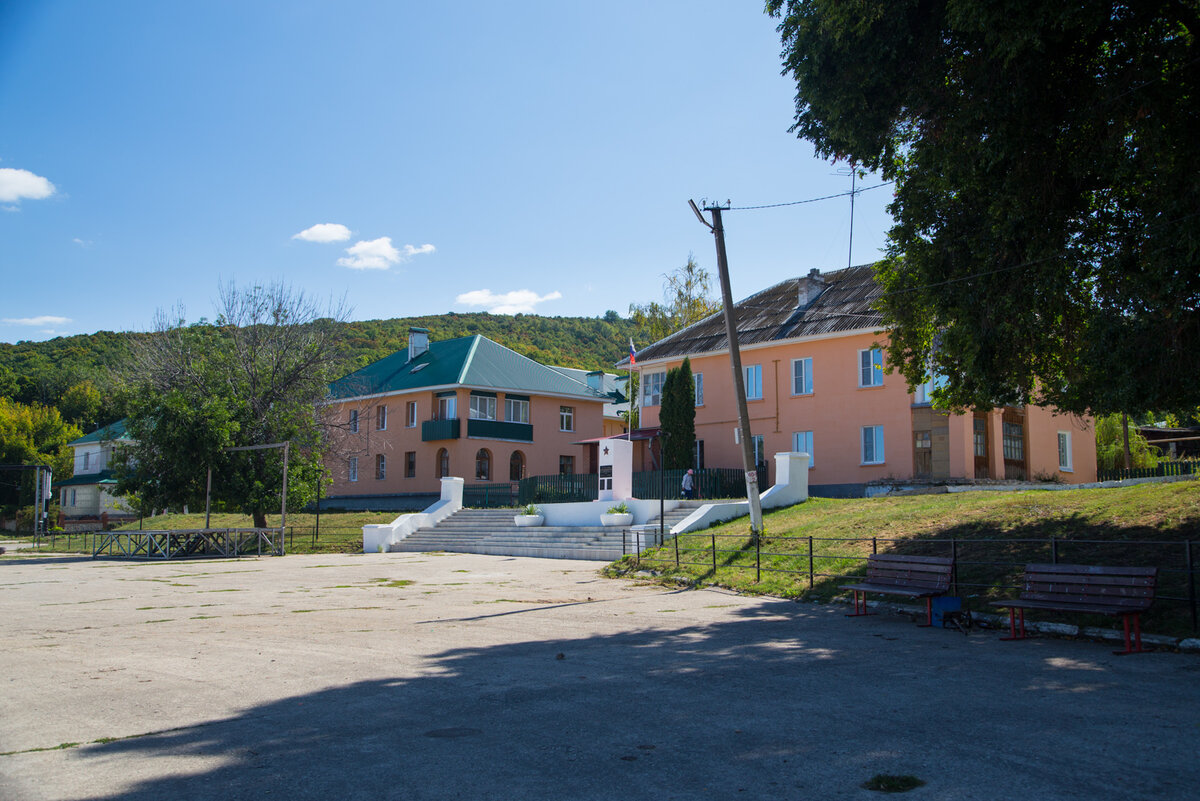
616, 519
529, 520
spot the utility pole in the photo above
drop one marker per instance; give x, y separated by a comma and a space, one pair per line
735, 359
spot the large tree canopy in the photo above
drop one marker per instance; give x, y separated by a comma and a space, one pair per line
256, 377
1047, 236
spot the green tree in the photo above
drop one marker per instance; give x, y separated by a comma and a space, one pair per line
677, 416
256, 377
33, 434
1045, 245
686, 300
1110, 445
81, 404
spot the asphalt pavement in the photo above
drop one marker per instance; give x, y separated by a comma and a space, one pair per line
446, 676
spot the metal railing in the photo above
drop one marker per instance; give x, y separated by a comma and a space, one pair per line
1189, 467
982, 567
188, 543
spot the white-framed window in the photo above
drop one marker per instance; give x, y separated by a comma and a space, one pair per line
754, 382
802, 377
483, 407
447, 407
802, 442
354, 421
381, 418
698, 380
352, 468
410, 414
1064, 452
760, 449
699, 454
74, 497
87, 458
870, 368
872, 444
924, 392
652, 385
566, 418
516, 410
380, 467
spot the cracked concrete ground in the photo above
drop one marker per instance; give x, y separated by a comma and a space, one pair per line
429, 676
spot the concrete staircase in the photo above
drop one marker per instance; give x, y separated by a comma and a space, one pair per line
492, 531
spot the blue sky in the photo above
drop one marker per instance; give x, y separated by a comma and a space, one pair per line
440, 156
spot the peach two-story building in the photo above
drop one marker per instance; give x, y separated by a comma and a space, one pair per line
813, 362
466, 407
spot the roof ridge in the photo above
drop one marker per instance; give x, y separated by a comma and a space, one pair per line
466, 363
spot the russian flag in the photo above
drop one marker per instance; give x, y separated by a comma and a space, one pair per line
632, 354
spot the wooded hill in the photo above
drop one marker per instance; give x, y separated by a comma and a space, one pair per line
43, 372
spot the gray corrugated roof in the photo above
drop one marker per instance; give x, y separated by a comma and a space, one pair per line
844, 304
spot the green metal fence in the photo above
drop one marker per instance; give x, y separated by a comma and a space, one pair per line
1162, 469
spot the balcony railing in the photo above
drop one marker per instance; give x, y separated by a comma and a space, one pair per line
439, 429
499, 429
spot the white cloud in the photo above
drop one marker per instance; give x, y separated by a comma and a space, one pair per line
410, 251
324, 232
18, 184
371, 254
83, 243
379, 254
45, 319
517, 301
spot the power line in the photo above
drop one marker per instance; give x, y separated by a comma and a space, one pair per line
811, 199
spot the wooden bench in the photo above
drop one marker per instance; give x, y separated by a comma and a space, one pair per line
1088, 589
910, 576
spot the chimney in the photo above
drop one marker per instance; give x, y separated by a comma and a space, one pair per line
595, 380
418, 342
811, 287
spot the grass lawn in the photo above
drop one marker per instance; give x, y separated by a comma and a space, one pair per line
992, 534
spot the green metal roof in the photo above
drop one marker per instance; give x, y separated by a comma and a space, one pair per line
103, 477
104, 434
473, 361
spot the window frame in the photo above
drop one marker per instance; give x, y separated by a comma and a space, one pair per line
566, 418
354, 421
410, 464
802, 442
516, 403
410, 414
352, 469
566, 461
806, 386
870, 359
381, 417
380, 467
698, 386
1064, 450
653, 381
877, 446
488, 412
753, 378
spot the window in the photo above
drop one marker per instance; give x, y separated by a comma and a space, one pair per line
922, 453
380, 467
87, 458
698, 380
870, 368
443, 463
566, 465
872, 445
699, 454
354, 421
516, 466
410, 414
802, 443
73, 497
516, 410
1014, 442
652, 389
410, 464
802, 376
483, 407
483, 465
353, 468
754, 382
760, 451
566, 418
447, 408
381, 418
980, 436
1064, 451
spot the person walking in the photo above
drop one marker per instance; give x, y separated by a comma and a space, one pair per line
688, 486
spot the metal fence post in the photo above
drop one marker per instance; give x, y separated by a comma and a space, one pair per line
810, 562
954, 564
1054, 550
874, 545
714, 544
757, 557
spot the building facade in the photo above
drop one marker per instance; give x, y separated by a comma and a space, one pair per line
86, 498
812, 353
465, 407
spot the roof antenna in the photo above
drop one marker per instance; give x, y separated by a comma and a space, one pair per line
853, 173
